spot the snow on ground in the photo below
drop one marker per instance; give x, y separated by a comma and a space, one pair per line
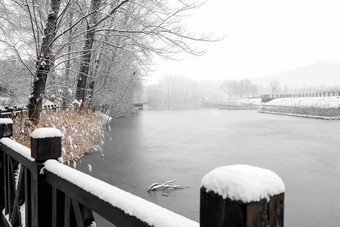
256, 101
6, 121
315, 102
21, 149
144, 210
46, 133
243, 182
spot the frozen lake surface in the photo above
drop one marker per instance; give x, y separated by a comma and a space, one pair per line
159, 146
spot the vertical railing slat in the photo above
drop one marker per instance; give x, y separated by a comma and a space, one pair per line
9, 184
77, 213
28, 203
67, 212
6, 183
34, 196
54, 207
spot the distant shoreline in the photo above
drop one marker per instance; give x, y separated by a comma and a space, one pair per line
300, 115
327, 108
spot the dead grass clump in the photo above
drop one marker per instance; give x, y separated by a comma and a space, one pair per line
82, 131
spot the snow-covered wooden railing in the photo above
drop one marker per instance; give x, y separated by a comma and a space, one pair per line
40, 191
13, 111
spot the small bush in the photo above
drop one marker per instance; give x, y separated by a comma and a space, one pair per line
82, 131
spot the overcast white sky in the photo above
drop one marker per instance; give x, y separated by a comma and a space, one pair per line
262, 38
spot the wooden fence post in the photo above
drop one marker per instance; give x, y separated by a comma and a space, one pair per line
45, 144
238, 196
6, 130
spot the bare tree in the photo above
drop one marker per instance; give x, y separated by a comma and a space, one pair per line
239, 88
43, 62
92, 42
274, 87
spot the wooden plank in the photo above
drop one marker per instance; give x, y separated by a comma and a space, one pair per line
44, 202
67, 212
60, 204
5, 182
101, 207
28, 203
77, 213
18, 157
34, 196
58, 208
9, 184
41, 194
2, 181
276, 210
54, 207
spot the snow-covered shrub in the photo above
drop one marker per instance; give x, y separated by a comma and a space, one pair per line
82, 131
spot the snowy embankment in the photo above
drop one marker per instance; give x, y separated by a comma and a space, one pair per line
311, 102
311, 107
239, 104
145, 211
255, 101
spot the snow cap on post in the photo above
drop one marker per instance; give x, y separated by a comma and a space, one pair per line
243, 182
241, 195
6, 127
45, 144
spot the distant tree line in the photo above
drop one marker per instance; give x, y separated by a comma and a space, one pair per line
173, 92
239, 88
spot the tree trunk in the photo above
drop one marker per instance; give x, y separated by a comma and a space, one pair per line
94, 75
68, 63
87, 53
43, 64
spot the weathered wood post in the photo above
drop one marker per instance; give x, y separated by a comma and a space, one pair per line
45, 144
241, 195
6, 130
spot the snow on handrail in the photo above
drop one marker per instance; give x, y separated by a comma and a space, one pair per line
17, 147
142, 209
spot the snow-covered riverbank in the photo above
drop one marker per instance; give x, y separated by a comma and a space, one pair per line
310, 107
311, 102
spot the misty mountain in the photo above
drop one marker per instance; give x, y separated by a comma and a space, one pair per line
317, 74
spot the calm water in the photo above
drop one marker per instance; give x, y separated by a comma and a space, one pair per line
159, 146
